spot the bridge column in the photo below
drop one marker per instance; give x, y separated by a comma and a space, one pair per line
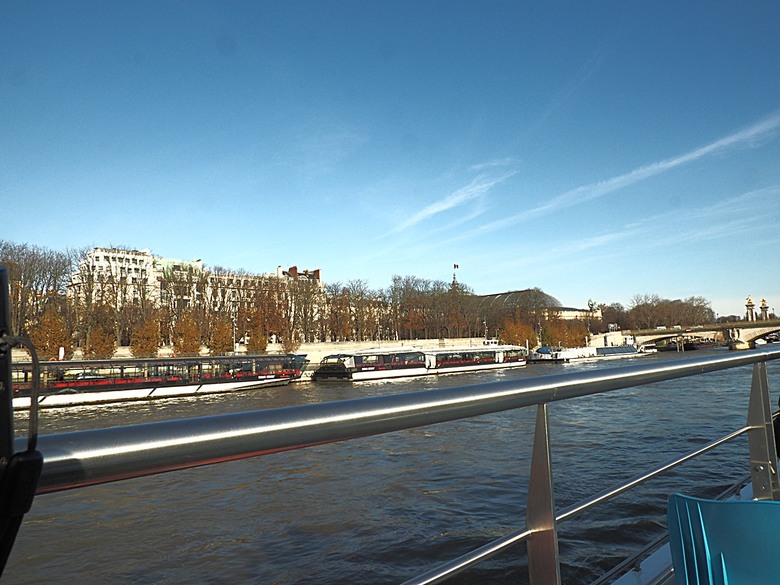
750, 309
608, 339
734, 338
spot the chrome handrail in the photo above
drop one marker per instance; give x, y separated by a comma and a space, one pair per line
99, 456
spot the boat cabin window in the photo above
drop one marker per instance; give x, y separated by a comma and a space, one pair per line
513, 355
415, 357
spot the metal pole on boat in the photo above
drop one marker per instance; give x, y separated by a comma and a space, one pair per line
19, 472
7, 527
6, 390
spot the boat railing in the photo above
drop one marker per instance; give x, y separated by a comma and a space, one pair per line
78, 459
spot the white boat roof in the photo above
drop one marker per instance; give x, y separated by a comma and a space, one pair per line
472, 348
428, 350
386, 350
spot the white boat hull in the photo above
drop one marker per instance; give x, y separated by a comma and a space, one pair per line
476, 368
376, 374
134, 394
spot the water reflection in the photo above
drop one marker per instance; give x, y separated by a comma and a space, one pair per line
382, 509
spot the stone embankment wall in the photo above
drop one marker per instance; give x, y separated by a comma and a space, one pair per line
314, 351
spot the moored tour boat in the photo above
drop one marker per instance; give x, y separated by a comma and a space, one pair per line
547, 354
387, 363
73, 383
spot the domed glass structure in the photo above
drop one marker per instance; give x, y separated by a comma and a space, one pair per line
528, 300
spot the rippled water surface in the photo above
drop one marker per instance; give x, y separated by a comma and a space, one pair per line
383, 509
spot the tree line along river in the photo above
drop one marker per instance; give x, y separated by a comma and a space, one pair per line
384, 509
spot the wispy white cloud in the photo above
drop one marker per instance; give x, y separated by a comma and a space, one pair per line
752, 136
501, 162
478, 188
319, 151
664, 231
588, 70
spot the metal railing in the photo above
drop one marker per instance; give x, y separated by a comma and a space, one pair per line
78, 459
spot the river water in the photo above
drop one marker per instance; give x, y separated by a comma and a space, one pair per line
383, 509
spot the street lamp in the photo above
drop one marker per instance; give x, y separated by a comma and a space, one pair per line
233, 318
234, 333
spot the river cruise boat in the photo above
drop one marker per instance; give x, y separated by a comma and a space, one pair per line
72, 383
547, 354
386, 363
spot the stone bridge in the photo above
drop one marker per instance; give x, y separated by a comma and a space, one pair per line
739, 335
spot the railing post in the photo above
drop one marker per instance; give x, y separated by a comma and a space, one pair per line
543, 565
761, 438
6, 389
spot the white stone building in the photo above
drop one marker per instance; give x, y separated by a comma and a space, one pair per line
125, 276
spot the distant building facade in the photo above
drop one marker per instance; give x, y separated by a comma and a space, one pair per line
124, 276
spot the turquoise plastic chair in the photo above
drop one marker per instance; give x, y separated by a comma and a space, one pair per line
733, 542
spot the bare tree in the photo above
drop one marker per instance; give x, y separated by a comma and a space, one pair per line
307, 297
650, 311
613, 314
337, 312
82, 298
643, 312
358, 295
36, 276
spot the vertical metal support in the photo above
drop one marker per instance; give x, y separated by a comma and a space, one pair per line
6, 389
543, 565
19, 472
761, 438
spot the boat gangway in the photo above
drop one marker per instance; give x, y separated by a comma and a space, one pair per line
77, 459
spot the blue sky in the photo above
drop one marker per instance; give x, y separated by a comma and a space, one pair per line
596, 150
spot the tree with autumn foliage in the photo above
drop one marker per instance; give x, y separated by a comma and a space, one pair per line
186, 335
49, 334
559, 333
291, 339
146, 337
101, 345
221, 339
257, 341
101, 339
264, 314
516, 332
